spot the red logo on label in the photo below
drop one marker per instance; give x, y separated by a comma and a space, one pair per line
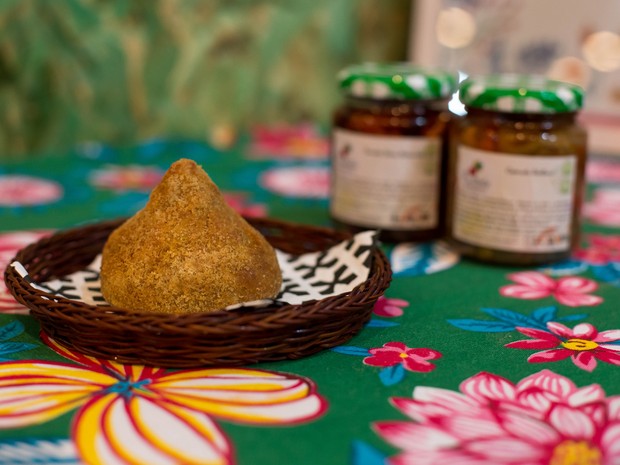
474, 168
345, 151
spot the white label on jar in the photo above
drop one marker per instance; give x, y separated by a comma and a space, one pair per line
513, 202
385, 181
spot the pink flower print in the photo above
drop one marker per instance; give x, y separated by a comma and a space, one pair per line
300, 141
124, 178
389, 308
604, 209
583, 344
601, 250
297, 182
572, 291
238, 201
16, 191
543, 419
602, 172
397, 353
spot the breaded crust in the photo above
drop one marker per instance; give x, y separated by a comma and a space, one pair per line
187, 251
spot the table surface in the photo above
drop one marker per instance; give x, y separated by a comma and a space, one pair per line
461, 363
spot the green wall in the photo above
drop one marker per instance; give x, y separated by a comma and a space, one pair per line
118, 71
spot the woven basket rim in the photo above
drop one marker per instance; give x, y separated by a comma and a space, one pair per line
63, 318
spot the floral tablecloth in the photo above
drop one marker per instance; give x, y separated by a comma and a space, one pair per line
462, 363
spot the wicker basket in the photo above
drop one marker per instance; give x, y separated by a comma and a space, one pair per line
222, 338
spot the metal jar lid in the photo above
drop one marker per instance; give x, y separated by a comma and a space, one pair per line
513, 93
396, 81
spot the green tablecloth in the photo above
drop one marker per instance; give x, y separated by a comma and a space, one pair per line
462, 363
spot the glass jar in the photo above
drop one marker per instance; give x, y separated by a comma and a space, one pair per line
516, 171
388, 151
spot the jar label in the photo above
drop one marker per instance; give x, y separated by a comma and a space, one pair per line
514, 203
387, 182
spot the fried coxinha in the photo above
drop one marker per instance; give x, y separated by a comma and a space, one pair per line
187, 251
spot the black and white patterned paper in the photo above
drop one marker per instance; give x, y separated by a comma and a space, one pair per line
311, 276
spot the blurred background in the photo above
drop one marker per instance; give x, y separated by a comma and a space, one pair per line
568, 40
118, 72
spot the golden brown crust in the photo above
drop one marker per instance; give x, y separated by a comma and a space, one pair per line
187, 251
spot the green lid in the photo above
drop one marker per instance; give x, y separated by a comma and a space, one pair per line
401, 81
512, 93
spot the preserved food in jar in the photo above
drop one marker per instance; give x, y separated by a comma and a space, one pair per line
516, 174
389, 149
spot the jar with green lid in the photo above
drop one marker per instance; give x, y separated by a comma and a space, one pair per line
516, 175
389, 149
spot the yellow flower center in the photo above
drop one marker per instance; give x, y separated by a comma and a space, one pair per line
572, 452
580, 344
403, 355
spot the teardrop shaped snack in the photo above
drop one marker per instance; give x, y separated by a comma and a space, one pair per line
187, 251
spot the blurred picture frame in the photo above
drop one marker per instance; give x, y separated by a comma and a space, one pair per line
568, 40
